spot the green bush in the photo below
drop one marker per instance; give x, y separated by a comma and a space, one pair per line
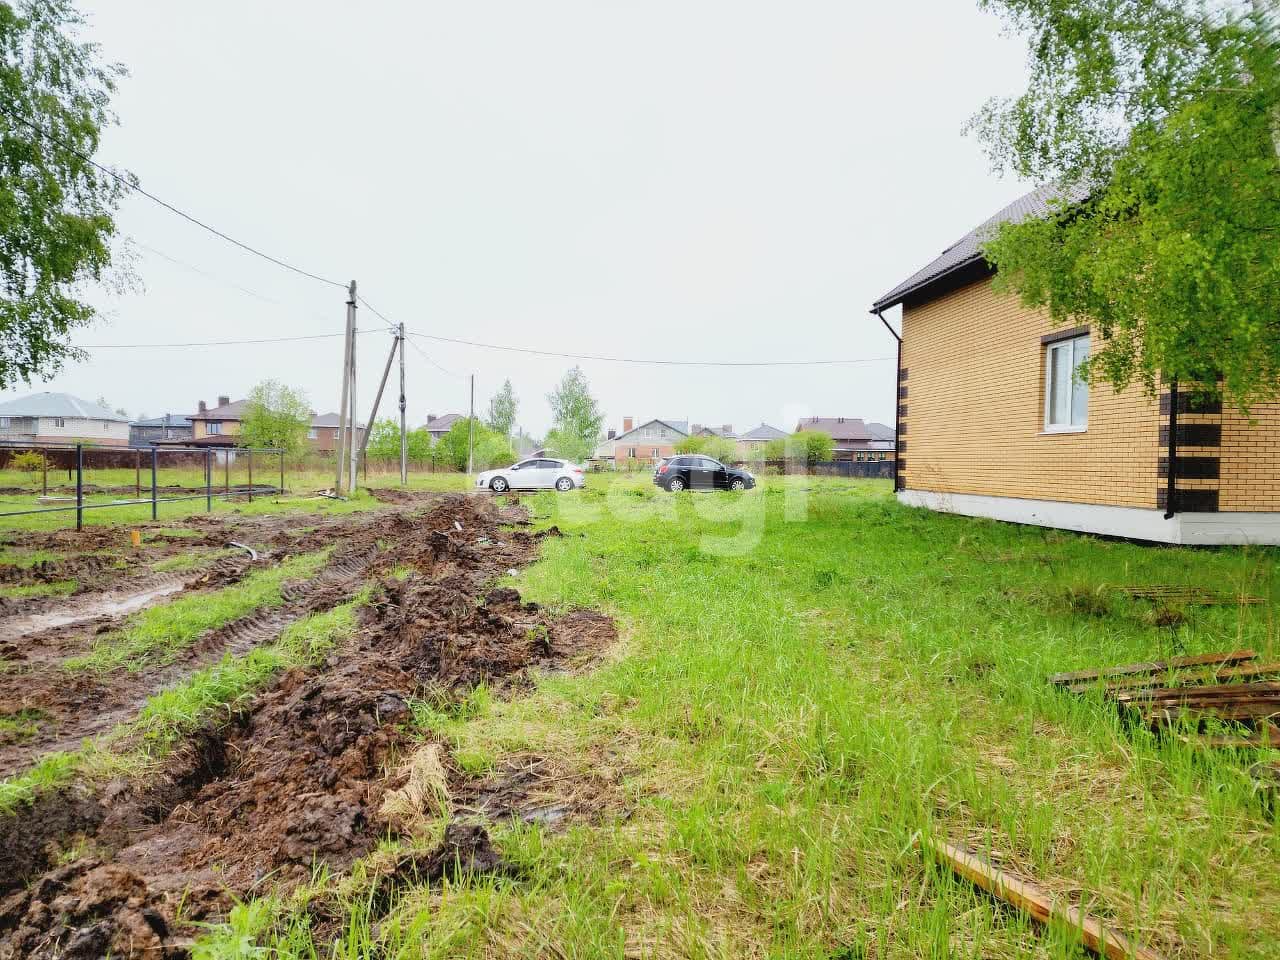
29, 461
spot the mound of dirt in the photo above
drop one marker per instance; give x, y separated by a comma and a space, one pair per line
300, 777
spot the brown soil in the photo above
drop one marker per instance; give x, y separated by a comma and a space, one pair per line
299, 777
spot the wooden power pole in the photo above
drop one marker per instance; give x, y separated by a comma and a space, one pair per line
339, 450
354, 426
471, 430
404, 439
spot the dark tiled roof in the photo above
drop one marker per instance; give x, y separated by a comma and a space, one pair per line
763, 432
879, 431
230, 411
967, 250
679, 426
444, 423
327, 420
838, 428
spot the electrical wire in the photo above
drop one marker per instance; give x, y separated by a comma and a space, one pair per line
129, 184
650, 362
427, 357
216, 343
206, 274
394, 328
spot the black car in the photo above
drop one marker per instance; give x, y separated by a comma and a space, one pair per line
694, 472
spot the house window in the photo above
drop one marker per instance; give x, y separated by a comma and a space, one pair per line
655, 451
312, 434
213, 428
4, 423
1066, 394
59, 422
631, 453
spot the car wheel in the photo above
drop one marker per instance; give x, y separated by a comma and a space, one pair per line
564, 484
737, 483
675, 485
499, 485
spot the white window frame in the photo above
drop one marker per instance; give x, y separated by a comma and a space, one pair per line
213, 428
1050, 350
313, 434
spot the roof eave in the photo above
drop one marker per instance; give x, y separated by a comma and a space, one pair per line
962, 274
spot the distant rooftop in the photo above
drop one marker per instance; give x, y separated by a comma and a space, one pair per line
763, 432
47, 404
838, 428
168, 420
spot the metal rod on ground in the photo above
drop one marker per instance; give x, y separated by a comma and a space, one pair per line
339, 449
208, 481
353, 425
155, 453
377, 399
79, 486
404, 442
251, 476
471, 429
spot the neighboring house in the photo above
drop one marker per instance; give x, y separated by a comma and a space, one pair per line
854, 440
650, 441
439, 426
324, 432
217, 426
171, 426
725, 431
994, 422
753, 442
61, 418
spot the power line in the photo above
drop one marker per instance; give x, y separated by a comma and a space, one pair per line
377, 313
206, 274
131, 185
425, 356
650, 362
216, 343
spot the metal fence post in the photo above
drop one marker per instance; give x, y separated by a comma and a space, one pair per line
44, 474
208, 481
137, 475
251, 475
154, 505
79, 486
226, 472
282, 473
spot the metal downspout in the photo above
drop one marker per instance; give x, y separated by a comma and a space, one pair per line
1171, 488
897, 400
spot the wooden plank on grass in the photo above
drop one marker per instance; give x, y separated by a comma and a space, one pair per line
1194, 678
1215, 694
1037, 902
1201, 660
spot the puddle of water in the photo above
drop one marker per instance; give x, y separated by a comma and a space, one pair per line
116, 605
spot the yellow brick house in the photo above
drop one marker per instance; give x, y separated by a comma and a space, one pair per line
993, 422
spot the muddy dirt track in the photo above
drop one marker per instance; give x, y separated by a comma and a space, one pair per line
300, 776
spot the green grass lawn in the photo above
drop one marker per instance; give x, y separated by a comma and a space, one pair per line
811, 679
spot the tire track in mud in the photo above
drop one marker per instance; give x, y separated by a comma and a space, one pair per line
79, 705
300, 776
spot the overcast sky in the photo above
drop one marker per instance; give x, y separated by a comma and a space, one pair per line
685, 180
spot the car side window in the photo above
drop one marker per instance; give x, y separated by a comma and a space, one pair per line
526, 465
548, 464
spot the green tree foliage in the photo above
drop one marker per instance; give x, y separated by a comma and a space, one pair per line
384, 443
807, 446
502, 409
721, 448
492, 449
276, 416
29, 461
1157, 118
57, 211
576, 416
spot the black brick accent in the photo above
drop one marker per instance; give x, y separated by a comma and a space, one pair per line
902, 410
1192, 403
902, 446
1192, 501
902, 392
902, 429
1194, 435
902, 374
1193, 468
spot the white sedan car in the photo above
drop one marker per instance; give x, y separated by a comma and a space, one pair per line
539, 473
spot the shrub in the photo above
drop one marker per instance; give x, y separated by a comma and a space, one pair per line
29, 461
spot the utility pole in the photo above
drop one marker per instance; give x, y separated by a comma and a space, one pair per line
354, 426
377, 400
404, 441
471, 430
339, 451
